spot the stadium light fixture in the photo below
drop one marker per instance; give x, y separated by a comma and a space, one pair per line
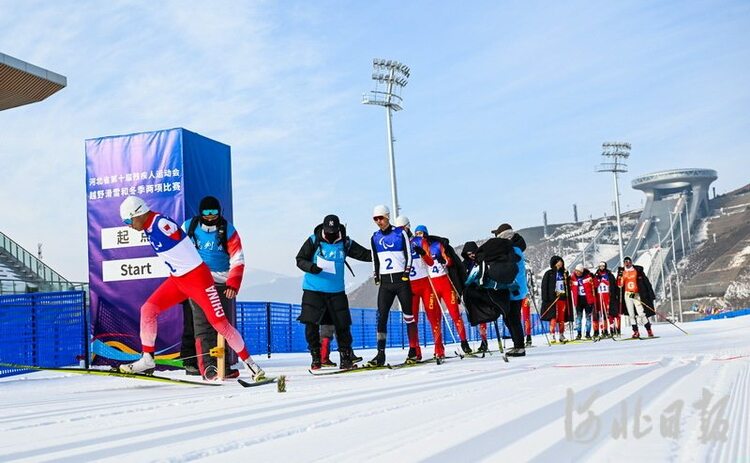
394, 76
615, 154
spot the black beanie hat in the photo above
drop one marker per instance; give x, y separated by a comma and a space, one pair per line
209, 202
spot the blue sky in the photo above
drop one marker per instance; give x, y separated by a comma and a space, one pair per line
506, 109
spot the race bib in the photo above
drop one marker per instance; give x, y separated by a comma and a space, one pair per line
603, 288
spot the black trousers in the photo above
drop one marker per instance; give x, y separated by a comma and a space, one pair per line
204, 335
511, 312
392, 287
188, 336
327, 309
512, 319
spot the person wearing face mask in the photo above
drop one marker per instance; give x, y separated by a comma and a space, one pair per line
323, 258
219, 246
607, 300
638, 295
422, 291
582, 291
469, 260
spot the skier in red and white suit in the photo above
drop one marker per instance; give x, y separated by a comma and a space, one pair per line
190, 278
442, 284
422, 291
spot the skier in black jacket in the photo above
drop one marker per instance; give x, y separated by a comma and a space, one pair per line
556, 307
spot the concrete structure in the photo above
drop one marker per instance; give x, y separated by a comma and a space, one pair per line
22, 83
666, 184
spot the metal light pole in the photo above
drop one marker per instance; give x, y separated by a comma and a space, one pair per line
615, 154
674, 265
393, 76
661, 270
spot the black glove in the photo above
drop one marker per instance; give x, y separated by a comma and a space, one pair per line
315, 269
405, 275
419, 250
376, 279
440, 259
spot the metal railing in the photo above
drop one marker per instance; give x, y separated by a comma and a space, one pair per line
28, 260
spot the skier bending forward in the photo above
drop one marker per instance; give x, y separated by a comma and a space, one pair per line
189, 277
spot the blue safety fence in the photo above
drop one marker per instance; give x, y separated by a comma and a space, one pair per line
43, 329
732, 314
52, 330
271, 327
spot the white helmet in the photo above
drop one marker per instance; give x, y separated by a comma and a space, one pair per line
402, 221
381, 210
133, 206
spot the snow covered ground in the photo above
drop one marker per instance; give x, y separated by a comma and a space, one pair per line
677, 398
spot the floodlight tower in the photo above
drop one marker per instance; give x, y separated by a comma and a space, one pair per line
615, 154
390, 78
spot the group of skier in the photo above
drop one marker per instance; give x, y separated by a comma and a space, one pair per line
598, 299
206, 264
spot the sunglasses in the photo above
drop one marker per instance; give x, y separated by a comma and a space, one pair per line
378, 218
210, 212
127, 221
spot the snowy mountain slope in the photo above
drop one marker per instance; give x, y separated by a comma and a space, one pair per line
533, 409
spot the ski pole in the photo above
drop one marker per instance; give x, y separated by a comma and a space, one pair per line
440, 307
662, 316
497, 333
536, 309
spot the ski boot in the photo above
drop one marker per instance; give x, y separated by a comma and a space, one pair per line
578, 336
528, 340
346, 362
588, 336
316, 362
483, 347
355, 357
192, 370
256, 372
144, 365
636, 334
412, 356
552, 339
516, 352
378, 360
562, 339
325, 353
466, 347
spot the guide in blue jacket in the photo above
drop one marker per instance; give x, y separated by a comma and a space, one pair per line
323, 257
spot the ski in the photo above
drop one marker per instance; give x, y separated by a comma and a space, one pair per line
636, 339
350, 370
269, 380
416, 363
115, 373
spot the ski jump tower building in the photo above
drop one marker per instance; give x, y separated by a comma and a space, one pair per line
675, 201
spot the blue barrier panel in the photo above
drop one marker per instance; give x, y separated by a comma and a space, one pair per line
732, 314
270, 327
42, 329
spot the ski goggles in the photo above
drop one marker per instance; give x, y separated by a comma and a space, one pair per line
378, 218
127, 221
210, 212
